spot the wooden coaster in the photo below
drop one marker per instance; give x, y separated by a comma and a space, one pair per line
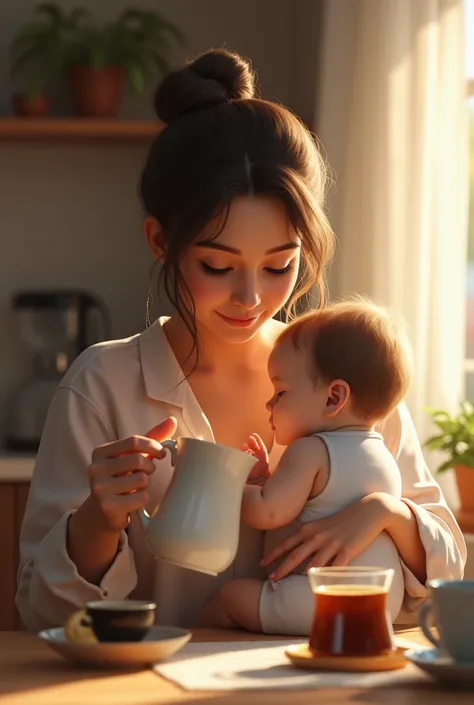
302, 657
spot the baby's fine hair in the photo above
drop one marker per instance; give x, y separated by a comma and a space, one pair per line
360, 343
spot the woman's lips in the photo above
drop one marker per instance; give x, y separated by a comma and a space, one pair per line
238, 322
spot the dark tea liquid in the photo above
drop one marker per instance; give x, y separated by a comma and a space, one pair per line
350, 620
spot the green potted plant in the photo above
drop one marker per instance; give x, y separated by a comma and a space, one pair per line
101, 57
456, 440
37, 56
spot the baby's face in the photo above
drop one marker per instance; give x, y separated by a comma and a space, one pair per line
298, 405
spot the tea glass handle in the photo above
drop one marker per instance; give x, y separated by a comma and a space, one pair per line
425, 618
172, 446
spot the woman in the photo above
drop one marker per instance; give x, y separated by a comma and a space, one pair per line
233, 191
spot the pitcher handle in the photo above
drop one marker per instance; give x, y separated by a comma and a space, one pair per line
171, 445
425, 618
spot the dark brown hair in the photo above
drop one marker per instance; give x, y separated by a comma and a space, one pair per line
221, 142
358, 342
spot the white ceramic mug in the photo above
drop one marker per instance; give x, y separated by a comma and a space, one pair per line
198, 521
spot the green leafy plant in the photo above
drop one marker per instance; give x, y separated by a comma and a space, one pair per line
139, 41
39, 48
456, 437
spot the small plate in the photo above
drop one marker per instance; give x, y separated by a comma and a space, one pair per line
159, 643
301, 656
442, 667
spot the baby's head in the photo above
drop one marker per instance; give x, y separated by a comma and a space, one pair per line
347, 364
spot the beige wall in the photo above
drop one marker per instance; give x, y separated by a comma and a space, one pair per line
69, 215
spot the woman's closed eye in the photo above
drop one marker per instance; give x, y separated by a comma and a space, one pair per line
216, 271
283, 270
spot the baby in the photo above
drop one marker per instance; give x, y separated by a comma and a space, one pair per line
337, 372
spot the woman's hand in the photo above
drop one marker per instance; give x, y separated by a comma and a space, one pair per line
118, 478
256, 447
119, 472
334, 540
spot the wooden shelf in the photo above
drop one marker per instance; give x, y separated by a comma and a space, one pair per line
78, 130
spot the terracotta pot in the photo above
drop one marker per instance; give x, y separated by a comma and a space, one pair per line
465, 483
23, 106
97, 92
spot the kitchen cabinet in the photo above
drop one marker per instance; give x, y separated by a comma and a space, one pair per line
13, 496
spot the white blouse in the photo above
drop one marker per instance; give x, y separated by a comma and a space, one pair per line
125, 387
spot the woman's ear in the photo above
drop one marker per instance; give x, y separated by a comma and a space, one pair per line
337, 397
154, 237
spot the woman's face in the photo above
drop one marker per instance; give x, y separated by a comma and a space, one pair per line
245, 276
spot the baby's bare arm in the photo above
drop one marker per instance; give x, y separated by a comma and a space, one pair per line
287, 490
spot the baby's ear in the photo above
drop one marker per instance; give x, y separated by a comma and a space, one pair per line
337, 397
155, 238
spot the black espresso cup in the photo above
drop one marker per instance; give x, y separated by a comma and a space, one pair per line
120, 620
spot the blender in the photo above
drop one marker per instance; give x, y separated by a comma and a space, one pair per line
57, 326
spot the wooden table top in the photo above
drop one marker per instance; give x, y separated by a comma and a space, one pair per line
32, 674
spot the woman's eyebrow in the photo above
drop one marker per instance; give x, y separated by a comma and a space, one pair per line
212, 245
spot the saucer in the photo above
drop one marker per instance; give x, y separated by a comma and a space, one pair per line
301, 656
442, 667
159, 643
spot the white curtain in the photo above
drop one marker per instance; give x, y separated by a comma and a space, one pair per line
400, 209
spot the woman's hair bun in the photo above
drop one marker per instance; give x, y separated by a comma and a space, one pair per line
217, 76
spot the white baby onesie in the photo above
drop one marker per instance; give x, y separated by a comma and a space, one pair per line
359, 464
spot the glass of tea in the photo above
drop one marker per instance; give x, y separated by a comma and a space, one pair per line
351, 617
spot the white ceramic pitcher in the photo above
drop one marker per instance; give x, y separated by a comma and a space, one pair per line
197, 523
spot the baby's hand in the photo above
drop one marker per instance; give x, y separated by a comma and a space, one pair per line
256, 447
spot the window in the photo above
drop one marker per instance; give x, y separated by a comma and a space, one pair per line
469, 16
